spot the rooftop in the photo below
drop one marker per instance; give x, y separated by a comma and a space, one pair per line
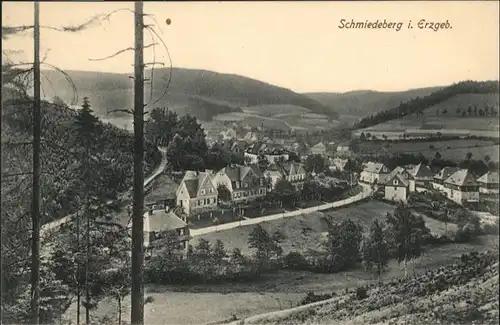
162, 220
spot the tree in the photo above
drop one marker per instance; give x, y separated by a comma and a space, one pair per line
137, 269
468, 156
487, 159
407, 233
203, 257
437, 155
375, 249
223, 193
263, 244
469, 110
262, 162
343, 245
277, 238
219, 252
35, 212
315, 163
285, 191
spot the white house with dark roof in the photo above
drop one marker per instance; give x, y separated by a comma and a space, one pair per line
163, 227
397, 185
337, 163
196, 193
374, 173
243, 182
439, 178
318, 149
488, 183
422, 175
461, 186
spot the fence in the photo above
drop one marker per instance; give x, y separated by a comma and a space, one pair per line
363, 195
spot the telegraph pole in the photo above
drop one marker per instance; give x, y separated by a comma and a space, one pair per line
35, 207
137, 292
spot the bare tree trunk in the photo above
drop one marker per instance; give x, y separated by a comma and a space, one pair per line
87, 262
119, 310
35, 208
137, 292
406, 267
78, 293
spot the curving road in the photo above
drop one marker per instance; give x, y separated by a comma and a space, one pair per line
57, 223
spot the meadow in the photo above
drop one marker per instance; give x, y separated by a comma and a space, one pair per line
451, 149
202, 304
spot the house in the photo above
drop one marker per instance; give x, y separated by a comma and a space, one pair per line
344, 149
196, 193
461, 186
238, 147
374, 173
422, 175
293, 172
228, 134
272, 175
163, 228
338, 164
271, 151
318, 149
397, 186
439, 178
488, 183
245, 183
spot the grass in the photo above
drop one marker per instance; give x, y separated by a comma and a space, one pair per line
272, 110
209, 303
302, 232
451, 149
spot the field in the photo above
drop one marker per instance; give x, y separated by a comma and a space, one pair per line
284, 289
301, 232
199, 304
279, 117
453, 149
434, 119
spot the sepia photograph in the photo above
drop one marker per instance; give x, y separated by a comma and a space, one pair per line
252, 162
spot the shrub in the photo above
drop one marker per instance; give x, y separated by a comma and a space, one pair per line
296, 261
312, 297
465, 234
361, 293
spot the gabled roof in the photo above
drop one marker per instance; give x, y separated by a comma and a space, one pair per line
194, 182
161, 220
372, 167
461, 177
421, 171
489, 178
400, 171
291, 168
319, 145
239, 173
339, 162
445, 173
402, 180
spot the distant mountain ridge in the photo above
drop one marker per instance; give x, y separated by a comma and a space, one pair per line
202, 93
365, 102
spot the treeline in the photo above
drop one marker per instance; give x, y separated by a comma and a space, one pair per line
402, 236
206, 110
417, 105
84, 164
184, 139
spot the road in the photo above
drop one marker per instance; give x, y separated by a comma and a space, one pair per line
367, 191
57, 223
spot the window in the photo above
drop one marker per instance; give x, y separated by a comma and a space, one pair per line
199, 202
202, 192
245, 184
395, 182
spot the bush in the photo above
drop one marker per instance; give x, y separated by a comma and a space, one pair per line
490, 229
312, 297
361, 293
296, 261
466, 234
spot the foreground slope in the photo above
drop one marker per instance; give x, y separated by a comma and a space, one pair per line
465, 292
202, 93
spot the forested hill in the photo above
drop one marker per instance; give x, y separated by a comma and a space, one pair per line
365, 102
201, 93
419, 104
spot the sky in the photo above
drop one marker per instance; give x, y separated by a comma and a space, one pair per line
297, 45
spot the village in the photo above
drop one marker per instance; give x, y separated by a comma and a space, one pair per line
273, 170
